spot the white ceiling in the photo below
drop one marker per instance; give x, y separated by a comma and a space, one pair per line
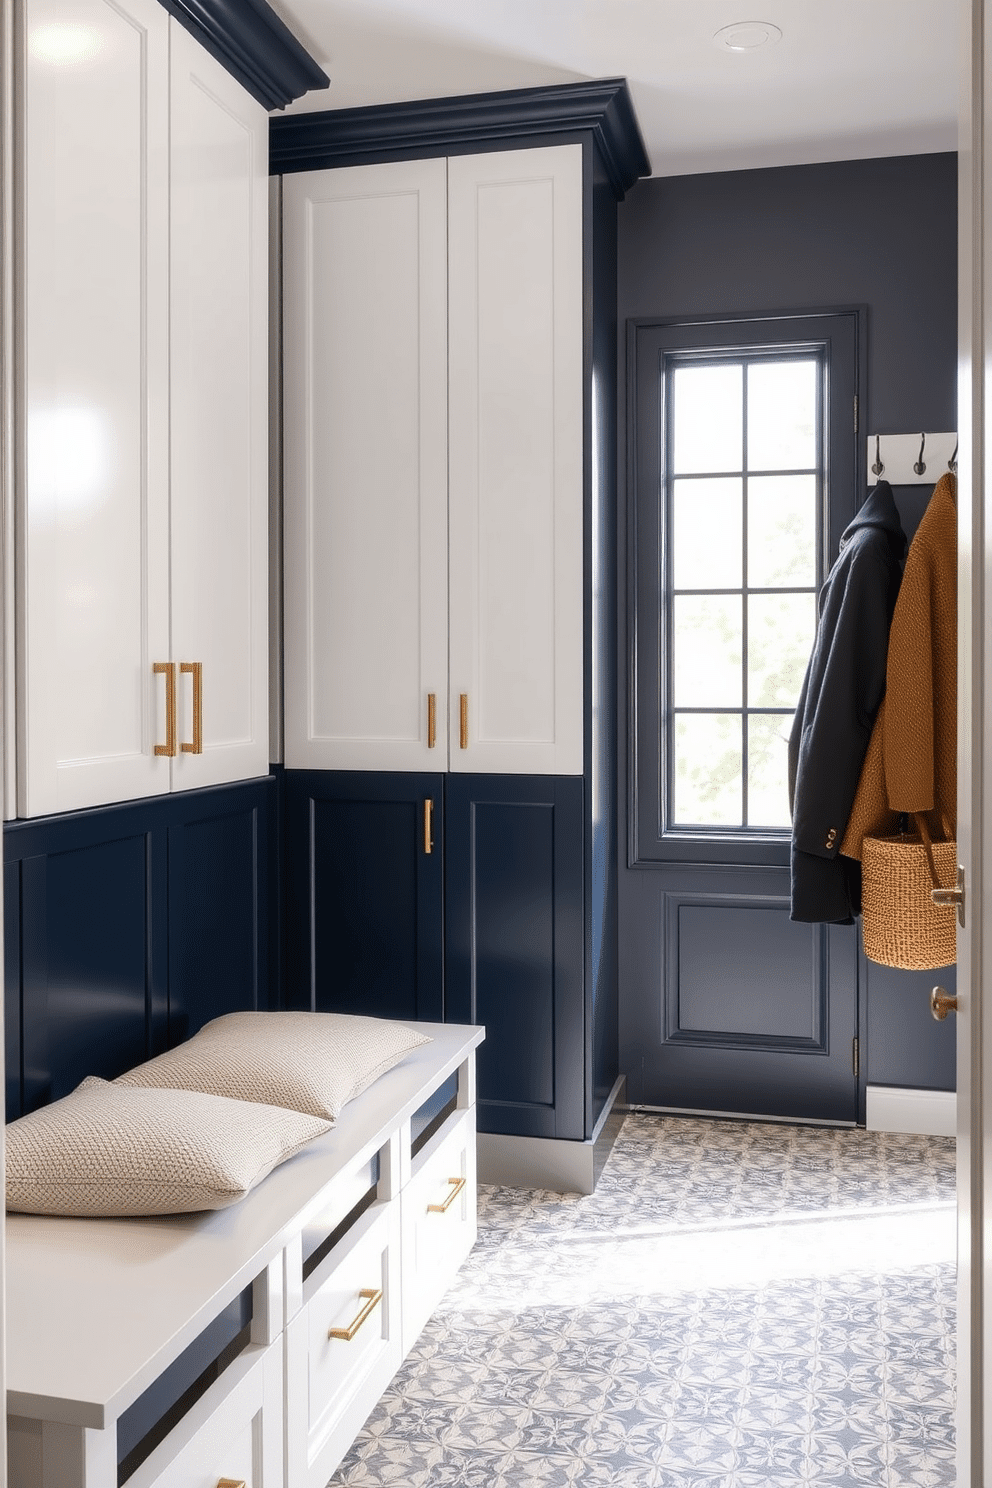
850, 78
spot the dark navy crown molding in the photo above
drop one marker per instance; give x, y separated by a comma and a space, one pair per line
255, 46
436, 126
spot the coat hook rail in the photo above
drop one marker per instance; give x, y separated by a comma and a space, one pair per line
910, 459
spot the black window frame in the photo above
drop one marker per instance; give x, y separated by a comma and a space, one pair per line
654, 346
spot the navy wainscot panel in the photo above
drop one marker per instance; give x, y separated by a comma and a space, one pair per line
127, 927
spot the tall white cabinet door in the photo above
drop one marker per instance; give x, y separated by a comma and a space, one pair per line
515, 502
219, 384
365, 398
93, 560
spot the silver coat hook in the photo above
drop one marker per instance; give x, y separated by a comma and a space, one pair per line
920, 466
878, 467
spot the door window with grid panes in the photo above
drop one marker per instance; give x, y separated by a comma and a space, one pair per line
743, 465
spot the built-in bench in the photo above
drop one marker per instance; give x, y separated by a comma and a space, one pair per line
247, 1345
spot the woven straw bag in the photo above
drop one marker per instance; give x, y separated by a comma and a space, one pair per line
901, 924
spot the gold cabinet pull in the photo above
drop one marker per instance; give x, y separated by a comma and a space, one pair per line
231, 1483
195, 670
428, 825
431, 719
457, 1185
167, 669
373, 1297
463, 720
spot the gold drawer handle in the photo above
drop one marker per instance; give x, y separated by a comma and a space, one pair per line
195, 670
431, 719
167, 669
428, 825
374, 1296
458, 1185
463, 720
231, 1483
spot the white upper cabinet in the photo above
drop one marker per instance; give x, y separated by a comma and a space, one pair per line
142, 526
93, 572
433, 322
515, 462
366, 467
219, 418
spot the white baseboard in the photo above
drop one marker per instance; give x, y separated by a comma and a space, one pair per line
549, 1162
929, 1113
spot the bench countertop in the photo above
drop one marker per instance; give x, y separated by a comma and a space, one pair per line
97, 1308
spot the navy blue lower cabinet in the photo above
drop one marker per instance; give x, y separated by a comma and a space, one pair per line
363, 895
127, 927
514, 940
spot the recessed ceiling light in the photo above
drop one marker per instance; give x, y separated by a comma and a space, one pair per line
747, 36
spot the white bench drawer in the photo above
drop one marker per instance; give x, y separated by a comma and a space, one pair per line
343, 1348
439, 1219
234, 1432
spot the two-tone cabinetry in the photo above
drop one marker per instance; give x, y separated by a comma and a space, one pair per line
142, 509
450, 598
434, 601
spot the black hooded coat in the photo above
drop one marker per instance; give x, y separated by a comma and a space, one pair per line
843, 687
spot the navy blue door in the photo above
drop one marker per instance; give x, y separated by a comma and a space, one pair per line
729, 1005
364, 897
514, 940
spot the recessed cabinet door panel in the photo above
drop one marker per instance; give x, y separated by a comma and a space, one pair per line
515, 379
219, 278
365, 398
514, 946
93, 560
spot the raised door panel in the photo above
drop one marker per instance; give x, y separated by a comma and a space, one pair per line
365, 399
516, 460
219, 338
93, 560
514, 944
734, 1007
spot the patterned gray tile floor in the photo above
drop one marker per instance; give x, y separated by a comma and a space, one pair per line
737, 1306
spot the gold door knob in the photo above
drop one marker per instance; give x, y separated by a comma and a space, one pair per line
942, 1003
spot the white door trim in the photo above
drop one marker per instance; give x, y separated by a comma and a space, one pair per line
974, 741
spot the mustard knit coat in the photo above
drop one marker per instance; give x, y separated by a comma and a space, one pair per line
911, 764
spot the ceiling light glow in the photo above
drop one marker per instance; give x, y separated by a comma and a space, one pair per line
746, 36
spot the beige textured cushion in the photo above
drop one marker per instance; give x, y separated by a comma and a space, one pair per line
313, 1062
108, 1151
